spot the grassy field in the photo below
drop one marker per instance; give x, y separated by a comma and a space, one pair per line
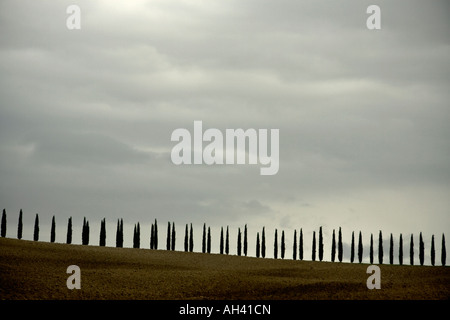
37, 270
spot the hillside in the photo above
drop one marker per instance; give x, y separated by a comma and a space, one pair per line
37, 270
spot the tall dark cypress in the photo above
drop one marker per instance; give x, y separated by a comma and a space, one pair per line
313, 254
53, 230
138, 235
294, 246
118, 234
227, 242
300, 245
320, 244
87, 232
204, 239
352, 248
391, 250
400, 250
103, 233
380, 248
155, 236
275, 245
134, 236
239, 243
333, 247
258, 249
221, 240
36, 228
340, 246
172, 243
263, 243
245, 240
186, 239
360, 248
421, 250
3, 227
169, 234
152, 236
432, 251
69, 231
208, 241
191, 239
121, 232
411, 251
83, 232
20, 226
283, 245
371, 249
443, 251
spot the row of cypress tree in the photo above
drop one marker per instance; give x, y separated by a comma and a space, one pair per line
242, 241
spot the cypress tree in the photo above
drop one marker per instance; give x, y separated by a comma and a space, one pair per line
411, 251
320, 244
263, 243
380, 248
36, 228
245, 240
221, 240
138, 235
121, 232
155, 236
421, 250
69, 231
314, 247
275, 245
400, 250
371, 248
3, 228
340, 247
257, 245
333, 247
208, 243
300, 245
360, 248
103, 233
191, 240
20, 226
443, 251
239, 244
186, 239
204, 239
169, 234
432, 253
52, 230
391, 250
152, 237
352, 248
173, 236
283, 245
227, 242
294, 247
134, 237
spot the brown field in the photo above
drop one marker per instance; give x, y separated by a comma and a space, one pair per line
37, 270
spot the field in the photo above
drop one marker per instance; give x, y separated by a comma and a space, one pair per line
37, 270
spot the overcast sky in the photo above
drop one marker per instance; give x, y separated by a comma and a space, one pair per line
86, 115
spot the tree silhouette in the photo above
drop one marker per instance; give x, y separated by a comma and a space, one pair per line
360, 248
118, 234
239, 244
186, 239
3, 227
121, 233
283, 245
227, 242
411, 251
391, 250
221, 240
85, 232
352, 248
20, 226
313, 255
204, 238
340, 247
245, 240
320, 244
380, 248
169, 234
371, 248
333, 247
443, 251
275, 245
155, 236
294, 247
263, 243
432, 251
258, 249
191, 239
421, 250
137, 236
208, 243
400, 250
53, 230
173, 236
69, 231
36, 228
103, 233
300, 245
